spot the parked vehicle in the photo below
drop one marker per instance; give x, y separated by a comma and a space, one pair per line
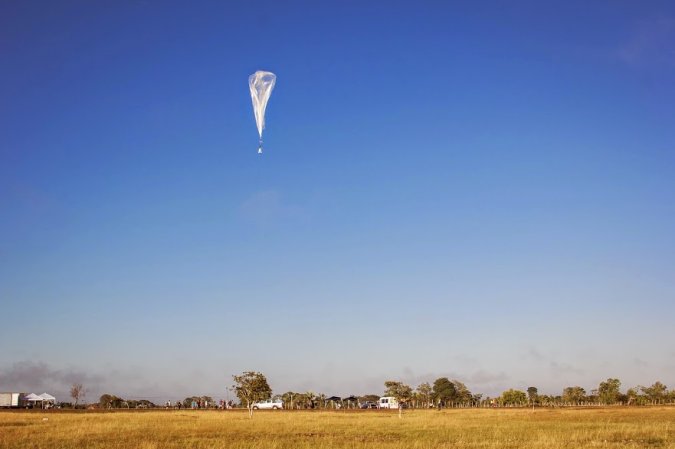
387, 402
368, 404
11, 399
270, 404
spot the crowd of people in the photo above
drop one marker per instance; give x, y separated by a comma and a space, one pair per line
197, 404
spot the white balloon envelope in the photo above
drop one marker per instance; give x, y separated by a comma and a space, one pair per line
261, 84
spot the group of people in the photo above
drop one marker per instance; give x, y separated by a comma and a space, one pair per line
197, 404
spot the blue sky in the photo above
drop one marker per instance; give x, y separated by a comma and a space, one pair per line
478, 190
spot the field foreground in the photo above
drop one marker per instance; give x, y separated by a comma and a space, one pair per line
484, 428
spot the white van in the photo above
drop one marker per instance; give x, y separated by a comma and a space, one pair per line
387, 402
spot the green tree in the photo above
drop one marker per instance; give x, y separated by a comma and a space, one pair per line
513, 397
656, 392
633, 396
110, 401
105, 401
320, 399
290, 399
574, 394
443, 390
402, 392
308, 399
424, 391
462, 394
251, 387
593, 397
532, 395
187, 402
477, 398
608, 391
143, 403
670, 396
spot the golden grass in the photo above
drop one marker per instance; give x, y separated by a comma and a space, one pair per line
486, 428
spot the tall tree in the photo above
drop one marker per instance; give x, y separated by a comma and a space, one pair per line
462, 394
321, 399
424, 390
189, 401
656, 392
400, 391
632, 396
251, 387
110, 401
309, 398
288, 398
608, 391
513, 397
532, 395
573, 394
443, 390
477, 398
77, 392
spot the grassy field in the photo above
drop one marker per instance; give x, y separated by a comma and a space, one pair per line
503, 428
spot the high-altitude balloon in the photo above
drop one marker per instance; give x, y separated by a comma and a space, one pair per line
261, 84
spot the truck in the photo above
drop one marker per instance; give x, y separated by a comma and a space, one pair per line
9, 400
387, 402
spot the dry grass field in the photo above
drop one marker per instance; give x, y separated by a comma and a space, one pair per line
503, 428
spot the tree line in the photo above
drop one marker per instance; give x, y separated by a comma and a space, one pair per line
251, 387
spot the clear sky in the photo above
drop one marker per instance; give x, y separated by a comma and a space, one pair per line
479, 190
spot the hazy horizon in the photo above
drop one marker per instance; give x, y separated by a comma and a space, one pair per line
480, 191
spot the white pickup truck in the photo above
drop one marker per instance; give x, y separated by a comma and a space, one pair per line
270, 404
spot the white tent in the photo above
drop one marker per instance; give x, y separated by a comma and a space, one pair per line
47, 397
48, 401
32, 399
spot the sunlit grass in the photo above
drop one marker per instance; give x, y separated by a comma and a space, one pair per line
484, 428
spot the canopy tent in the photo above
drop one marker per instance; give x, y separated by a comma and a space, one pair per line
335, 400
339, 402
45, 400
32, 397
48, 401
47, 397
351, 401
